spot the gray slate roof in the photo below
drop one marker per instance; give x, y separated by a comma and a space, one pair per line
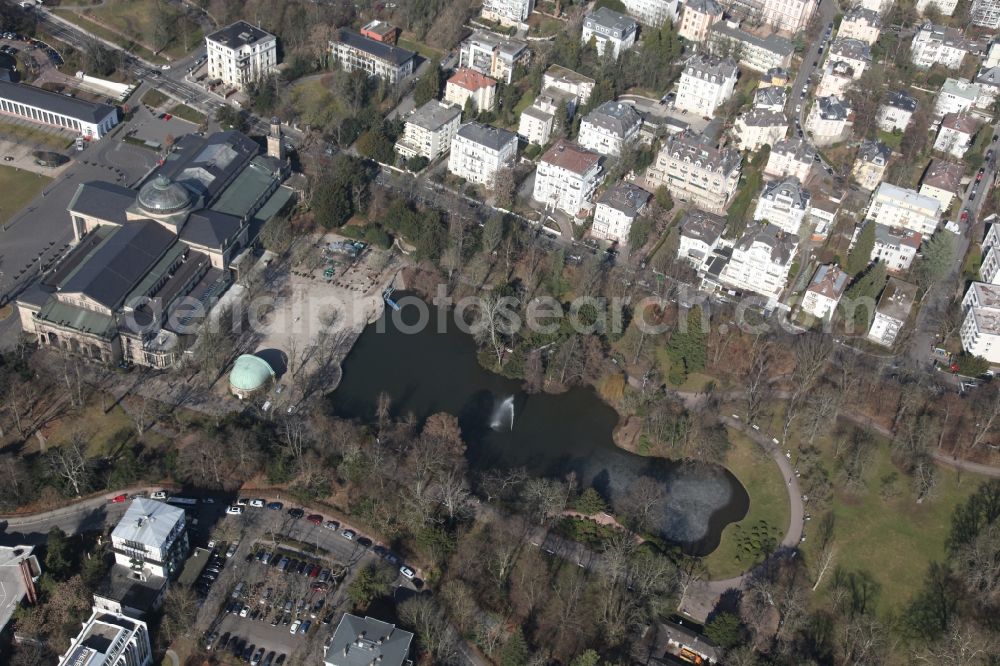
493, 138
901, 100
787, 187
874, 152
616, 117
364, 641
205, 165
148, 521
105, 201
434, 115
627, 198
782, 244
610, 21
702, 226
705, 66
380, 50
54, 102
210, 228
239, 34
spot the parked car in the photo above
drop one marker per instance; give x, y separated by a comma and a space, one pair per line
296, 513
305, 627
324, 575
283, 564
295, 627
118, 499
275, 506
244, 611
315, 519
331, 525
407, 572
349, 534
257, 503
159, 494
232, 549
234, 510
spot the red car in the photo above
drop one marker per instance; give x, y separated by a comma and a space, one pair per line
965, 215
118, 499
315, 519
167, 116
979, 176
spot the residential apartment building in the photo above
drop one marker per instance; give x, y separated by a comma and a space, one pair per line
151, 537
894, 206
761, 260
567, 177
828, 120
945, 7
790, 16
706, 83
493, 55
694, 169
609, 29
616, 210
561, 78
653, 12
770, 98
895, 247
784, 203
791, 157
479, 152
823, 213
109, 639
825, 290
354, 51
956, 134
700, 235
20, 571
697, 17
942, 180
988, 81
985, 13
862, 24
90, 120
761, 54
468, 84
895, 113
507, 12
956, 96
855, 53
760, 127
429, 130
980, 332
940, 45
610, 128
551, 109
240, 53
880, 6
837, 78
892, 311
871, 163
989, 269
367, 640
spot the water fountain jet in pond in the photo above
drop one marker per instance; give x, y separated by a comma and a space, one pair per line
504, 412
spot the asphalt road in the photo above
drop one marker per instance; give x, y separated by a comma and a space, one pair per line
827, 10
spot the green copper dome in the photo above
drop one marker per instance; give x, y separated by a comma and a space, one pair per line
250, 373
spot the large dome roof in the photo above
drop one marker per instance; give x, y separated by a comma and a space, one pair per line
161, 195
250, 373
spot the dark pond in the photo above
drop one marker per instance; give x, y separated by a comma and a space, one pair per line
429, 371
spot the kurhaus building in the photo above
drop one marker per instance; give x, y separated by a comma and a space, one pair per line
119, 294
90, 120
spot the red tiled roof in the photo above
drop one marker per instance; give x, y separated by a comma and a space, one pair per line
472, 80
571, 157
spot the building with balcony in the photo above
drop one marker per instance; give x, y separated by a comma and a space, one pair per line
567, 177
892, 311
653, 12
862, 24
697, 16
989, 269
760, 262
770, 98
828, 121
825, 290
894, 114
894, 206
507, 12
784, 203
855, 53
468, 84
609, 29
706, 83
761, 54
945, 7
871, 163
700, 234
493, 55
479, 152
151, 537
956, 96
760, 127
941, 45
956, 134
353, 51
985, 14
895, 247
616, 210
694, 169
429, 130
980, 331
110, 639
610, 128
942, 180
790, 16
560, 78
791, 157
240, 53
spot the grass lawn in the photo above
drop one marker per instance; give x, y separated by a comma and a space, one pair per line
428, 52
111, 36
185, 112
19, 187
696, 382
526, 100
135, 19
768, 502
890, 139
33, 134
154, 98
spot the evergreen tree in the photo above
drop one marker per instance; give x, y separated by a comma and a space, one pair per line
515, 650
860, 255
58, 555
686, 348
429, 85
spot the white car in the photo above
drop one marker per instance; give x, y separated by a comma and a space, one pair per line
159, 494
257, 503
244, 611
295, 627
349, 534
234, 510
241, 501
407, 572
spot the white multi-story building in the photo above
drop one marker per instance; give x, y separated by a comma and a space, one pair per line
827, 286
429, 130
861, 24
536, 125
366, 640
706, 83
980, 332
700, 234
942, 180
493, 55
653, 12
109, 639
354, 51
616, 210
697, 17
956, 134
880, 6
567, 177
892, 311
610, 128
761, 54
90, 120
784, 203
940, 45
468, 84
507, 12
608, 28
894, 206
988, 81
479, 152
761, 260
956, 96
985, 13
823, 213
559, 78
945, 7
694, 169
894, 115
152, 538
895, 247
240, 54
770, 98
790, 157
871, 163
787, 15
837, 78
828, 120
855, 53
760, 127
989, 269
